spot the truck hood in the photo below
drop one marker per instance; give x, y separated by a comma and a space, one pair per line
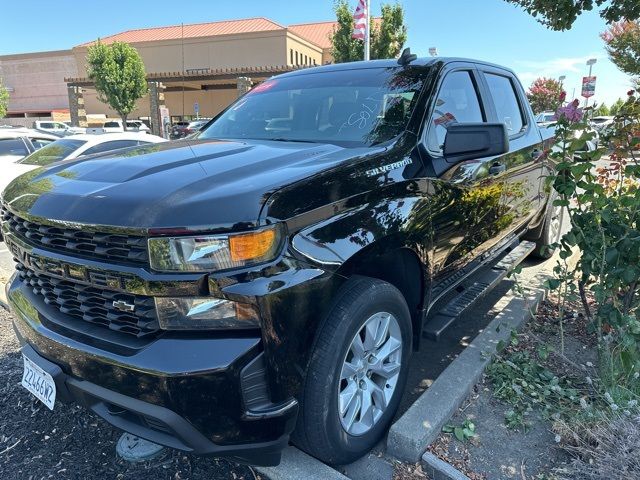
199, 183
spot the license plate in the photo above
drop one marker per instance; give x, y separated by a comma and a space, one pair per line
39, 382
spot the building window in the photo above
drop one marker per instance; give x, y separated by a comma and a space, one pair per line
291, 55
297, 60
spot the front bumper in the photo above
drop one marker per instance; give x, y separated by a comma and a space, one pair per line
196, 393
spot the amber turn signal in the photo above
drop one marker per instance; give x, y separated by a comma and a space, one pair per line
251, 246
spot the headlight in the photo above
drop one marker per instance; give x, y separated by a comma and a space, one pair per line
208, 253
204, 313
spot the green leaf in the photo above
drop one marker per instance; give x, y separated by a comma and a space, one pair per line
459, 433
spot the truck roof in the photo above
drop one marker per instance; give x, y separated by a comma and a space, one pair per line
387, 63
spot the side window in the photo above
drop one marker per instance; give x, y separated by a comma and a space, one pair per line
107, 146
506, 102
46, 125
457, 102
13, 146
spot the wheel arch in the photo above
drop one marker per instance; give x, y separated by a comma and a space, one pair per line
402, 268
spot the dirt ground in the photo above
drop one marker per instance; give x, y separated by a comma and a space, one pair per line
72, 443
501, 453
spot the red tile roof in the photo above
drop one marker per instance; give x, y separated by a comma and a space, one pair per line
211, 29
317, 33
320, 32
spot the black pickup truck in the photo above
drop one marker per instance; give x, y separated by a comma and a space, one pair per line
269, 279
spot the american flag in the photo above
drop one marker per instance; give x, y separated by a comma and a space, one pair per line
360, 17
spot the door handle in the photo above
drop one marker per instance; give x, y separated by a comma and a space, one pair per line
497, 168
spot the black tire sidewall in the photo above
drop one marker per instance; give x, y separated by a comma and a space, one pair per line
380, 297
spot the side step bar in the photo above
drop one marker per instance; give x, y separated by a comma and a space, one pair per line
474, 289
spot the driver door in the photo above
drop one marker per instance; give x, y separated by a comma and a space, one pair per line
467, 206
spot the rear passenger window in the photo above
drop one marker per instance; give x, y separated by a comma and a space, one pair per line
457, 102
506, 102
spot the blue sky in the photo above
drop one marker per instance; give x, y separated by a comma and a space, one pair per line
491, 30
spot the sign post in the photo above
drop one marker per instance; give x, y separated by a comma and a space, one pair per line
165, 121
588, 87
589, 82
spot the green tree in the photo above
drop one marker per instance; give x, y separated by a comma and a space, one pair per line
387, 37
561, 14
118, 73
622, 41
616, 106
601, 110
544, 94
4, 99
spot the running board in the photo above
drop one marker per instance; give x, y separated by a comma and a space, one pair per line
476, 287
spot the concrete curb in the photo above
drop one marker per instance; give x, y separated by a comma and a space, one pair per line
296, 465
410, 435
440, 470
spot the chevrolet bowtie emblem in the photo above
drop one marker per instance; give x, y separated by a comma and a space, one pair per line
123, 306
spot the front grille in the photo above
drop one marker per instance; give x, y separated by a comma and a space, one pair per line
93, 305
116, 248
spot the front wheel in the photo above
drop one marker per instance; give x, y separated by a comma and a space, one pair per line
357, 372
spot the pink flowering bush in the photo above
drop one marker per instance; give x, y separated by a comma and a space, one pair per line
544, 94
603, 207
570, 112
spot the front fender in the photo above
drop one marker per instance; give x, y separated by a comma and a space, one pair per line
383, 225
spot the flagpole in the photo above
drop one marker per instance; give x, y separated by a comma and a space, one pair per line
367, 35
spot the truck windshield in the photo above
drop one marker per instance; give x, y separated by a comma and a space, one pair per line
351, 108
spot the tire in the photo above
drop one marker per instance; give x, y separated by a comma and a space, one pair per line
321, 430
550, 233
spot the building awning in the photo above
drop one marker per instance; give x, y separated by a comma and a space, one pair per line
217, 75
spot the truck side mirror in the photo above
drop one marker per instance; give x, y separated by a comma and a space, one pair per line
467, 141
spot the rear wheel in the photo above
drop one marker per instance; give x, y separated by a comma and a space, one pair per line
357, 372
550, 233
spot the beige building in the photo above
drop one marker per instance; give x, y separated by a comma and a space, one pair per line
196, 66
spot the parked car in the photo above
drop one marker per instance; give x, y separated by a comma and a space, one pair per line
546, 118
273, 275
59, 129
114, 126
17, 143
73, 147
601, 123
180, 130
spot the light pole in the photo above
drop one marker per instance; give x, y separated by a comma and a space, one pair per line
591, 62
561, 79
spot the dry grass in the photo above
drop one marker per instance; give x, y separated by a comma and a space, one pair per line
608, 450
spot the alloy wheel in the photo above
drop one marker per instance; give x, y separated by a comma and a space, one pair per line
369, 374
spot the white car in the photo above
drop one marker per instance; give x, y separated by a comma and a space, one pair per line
545, 119
602, 122
57, 128
112, 126
17, 143
68, 148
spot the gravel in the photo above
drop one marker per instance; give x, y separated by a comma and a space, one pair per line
72, 443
